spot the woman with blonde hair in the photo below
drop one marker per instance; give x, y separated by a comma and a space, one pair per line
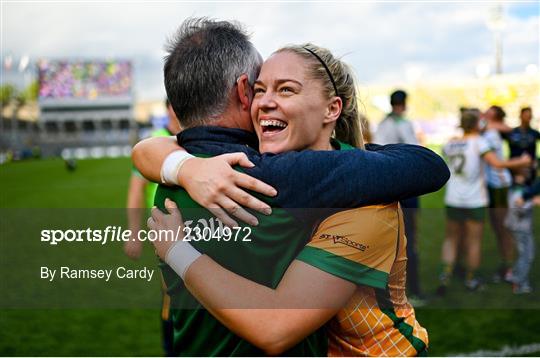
351, 274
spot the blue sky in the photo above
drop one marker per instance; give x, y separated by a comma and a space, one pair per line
525, 10
384, 42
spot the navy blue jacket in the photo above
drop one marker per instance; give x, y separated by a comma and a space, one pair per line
329, 179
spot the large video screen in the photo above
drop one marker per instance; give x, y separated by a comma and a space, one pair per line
84, 80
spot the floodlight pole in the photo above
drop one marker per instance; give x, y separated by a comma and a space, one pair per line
498, 53
497, 24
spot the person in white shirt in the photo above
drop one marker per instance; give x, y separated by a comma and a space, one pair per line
466, 197
396, 128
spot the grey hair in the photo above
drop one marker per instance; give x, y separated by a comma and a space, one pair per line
204, 60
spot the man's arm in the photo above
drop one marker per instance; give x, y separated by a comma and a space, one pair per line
408, 134
503, 128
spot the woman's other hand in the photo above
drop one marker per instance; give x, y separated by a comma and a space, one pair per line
160, 221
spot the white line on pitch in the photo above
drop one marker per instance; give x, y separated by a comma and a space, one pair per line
503, 352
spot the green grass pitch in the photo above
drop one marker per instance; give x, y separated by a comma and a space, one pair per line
462, 322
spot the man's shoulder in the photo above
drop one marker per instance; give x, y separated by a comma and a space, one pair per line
386, 126
213, 140
483, 144
177, 194
406, 122
387, 120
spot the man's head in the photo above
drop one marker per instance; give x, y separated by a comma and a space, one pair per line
495, 114
525, 116
398, 101
208, 71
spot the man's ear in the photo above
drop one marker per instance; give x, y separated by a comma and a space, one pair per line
243, 89
333, 110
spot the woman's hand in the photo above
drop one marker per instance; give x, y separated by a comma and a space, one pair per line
212, 183
172, 220
215, 185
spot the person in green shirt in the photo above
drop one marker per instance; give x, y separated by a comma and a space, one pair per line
141, 197
141, 191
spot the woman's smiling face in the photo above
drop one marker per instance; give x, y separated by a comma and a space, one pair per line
288, 107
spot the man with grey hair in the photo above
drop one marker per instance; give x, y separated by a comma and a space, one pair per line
208, 76
206, 60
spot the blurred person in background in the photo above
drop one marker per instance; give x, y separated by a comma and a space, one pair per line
523, 139
498, 182
466, 197
396, 128
520, 222
140, 197
141, 191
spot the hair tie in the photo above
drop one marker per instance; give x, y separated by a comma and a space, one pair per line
326, 68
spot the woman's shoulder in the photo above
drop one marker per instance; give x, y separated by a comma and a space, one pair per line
339, 145
364, 222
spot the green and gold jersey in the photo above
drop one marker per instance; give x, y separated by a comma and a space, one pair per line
367, 246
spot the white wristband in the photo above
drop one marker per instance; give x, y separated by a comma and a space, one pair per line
171, 166
180, 256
